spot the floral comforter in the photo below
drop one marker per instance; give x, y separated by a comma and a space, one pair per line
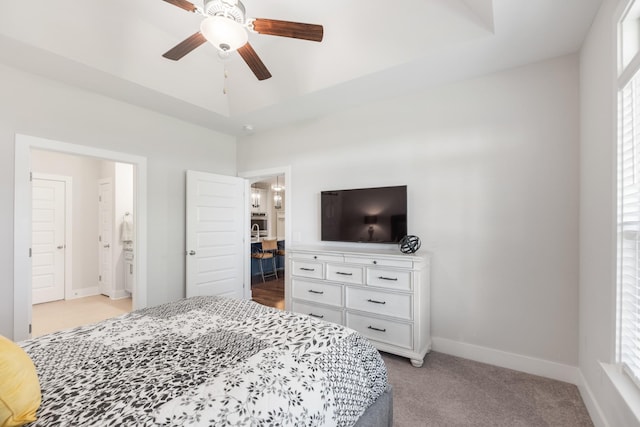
207, 361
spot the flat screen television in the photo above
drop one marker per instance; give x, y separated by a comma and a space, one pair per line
375, 215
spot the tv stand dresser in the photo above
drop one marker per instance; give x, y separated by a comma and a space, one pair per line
382, 294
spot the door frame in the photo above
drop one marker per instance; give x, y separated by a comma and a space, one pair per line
22, 222
256, 175
68, 221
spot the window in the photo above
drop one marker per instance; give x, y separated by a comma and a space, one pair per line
628, 212
629, 35
629, 226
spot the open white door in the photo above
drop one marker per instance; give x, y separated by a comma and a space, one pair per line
105, 236
48, 240
216, 207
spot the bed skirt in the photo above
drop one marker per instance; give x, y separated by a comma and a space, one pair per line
380, 413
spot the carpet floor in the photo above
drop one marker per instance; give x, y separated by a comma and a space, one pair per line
451, 391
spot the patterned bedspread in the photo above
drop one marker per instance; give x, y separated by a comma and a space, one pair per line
206, 361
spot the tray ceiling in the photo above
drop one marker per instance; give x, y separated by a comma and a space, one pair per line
370, 50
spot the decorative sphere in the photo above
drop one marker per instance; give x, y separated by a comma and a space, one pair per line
409, 244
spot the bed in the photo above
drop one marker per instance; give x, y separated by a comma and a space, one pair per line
210, 361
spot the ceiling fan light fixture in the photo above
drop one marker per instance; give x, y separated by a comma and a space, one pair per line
226, 27
225, 34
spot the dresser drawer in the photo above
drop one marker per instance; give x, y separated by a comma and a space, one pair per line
391, 279
382, 330
307, 269
324, 293
316, 257
324, 313
345, 273
378, 302
384, 262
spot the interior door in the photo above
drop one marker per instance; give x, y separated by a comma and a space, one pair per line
215, 255
48, 240
105, 236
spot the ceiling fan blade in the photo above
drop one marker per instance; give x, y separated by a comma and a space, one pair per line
184, 47
294, 30
254, 62
183, 4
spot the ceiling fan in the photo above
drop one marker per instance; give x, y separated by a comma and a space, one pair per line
225, 26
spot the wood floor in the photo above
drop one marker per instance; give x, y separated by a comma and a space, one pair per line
269, 293
58, 315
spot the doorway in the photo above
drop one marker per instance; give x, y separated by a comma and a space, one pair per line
269, 209
99, 267
25, 145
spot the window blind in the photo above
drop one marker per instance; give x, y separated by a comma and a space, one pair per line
628, 219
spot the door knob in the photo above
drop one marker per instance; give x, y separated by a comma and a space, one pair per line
61, 247
192, 252
107, 245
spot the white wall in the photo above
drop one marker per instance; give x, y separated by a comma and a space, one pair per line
491, 166
36, 106
597, 216
85, 172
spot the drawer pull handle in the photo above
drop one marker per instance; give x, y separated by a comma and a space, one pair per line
319, 316
307, 269
376, 329
316, 292
395, 279
376, 302
344, 274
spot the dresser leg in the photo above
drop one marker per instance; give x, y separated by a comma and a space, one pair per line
417, 362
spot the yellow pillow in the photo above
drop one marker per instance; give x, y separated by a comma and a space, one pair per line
19, 386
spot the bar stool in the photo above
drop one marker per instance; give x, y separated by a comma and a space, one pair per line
267, 251
281, 252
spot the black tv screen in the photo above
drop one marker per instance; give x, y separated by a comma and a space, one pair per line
376, 215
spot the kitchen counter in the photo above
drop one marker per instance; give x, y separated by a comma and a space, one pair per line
260, 239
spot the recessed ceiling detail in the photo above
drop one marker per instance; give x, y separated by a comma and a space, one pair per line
115, 48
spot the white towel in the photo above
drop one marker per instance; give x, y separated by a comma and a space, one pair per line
126, 231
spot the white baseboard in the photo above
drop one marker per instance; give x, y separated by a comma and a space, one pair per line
120, 294
84, 292
595, 412
89, 292
518, 362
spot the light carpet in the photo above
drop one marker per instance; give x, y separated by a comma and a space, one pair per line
451, 391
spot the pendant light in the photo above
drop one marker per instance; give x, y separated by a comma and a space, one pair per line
255, 197
277, 197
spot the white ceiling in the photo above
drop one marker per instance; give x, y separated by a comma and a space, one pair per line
371, 50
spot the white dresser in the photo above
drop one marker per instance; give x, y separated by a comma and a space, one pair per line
383, 294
